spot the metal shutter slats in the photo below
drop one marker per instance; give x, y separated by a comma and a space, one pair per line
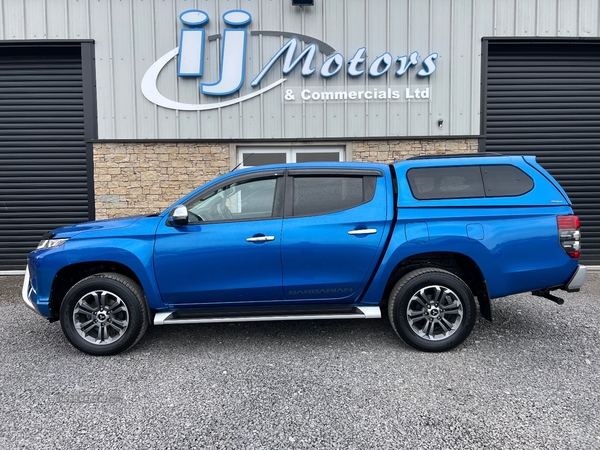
543, 99
43, 161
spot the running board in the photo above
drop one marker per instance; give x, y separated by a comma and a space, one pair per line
358, 312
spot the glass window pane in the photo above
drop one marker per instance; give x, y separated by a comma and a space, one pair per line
446, 182
238, 201
250, 159
505, 181
322, 195
321, 156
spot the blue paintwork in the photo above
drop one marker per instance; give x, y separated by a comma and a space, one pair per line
313, 260
194, 263
321, 261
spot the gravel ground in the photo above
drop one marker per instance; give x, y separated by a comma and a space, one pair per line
531, 379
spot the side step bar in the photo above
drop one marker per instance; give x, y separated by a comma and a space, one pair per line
359, 312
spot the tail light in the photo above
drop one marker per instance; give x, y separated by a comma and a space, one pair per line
568, 231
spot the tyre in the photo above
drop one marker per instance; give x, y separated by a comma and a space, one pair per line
432, 310
104, 314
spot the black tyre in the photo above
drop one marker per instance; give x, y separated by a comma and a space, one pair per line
104, 314
432, 310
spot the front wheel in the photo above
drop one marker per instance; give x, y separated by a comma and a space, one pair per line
104, 314
432, 309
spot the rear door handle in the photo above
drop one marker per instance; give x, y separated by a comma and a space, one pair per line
362, 231
260, 239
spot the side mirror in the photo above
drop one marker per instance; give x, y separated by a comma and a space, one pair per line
179, 216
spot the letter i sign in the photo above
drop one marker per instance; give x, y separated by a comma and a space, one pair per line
191, 50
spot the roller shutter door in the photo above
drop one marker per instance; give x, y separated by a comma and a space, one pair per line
44, 167
543, 98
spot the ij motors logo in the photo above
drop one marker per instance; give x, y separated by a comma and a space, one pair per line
190, 63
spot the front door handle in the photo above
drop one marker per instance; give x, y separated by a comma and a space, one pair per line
260, 239
362, 231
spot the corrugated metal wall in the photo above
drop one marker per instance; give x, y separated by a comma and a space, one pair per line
131, 34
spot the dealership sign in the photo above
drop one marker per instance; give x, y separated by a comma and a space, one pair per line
190, 63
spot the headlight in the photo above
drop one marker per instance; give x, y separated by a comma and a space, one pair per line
50, 243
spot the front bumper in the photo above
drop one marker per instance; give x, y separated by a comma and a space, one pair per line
28, 292
577, 279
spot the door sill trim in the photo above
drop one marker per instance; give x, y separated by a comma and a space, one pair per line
358, 312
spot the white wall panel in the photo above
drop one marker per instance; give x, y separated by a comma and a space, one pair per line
460, 61
271, 18
399, 42
35, 19
77, 17
250, 111
442, 14
312, 24
130, 35
419, 39
143, 55
105, 80
483, 26
164, 39
188, 124
568, 17
588, 18
356, 35
504, 13
547, 11
525, 17
124, 77
13, 19
378, 24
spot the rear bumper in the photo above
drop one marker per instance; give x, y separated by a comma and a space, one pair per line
577, 279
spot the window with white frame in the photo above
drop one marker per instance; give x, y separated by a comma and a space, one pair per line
260, 156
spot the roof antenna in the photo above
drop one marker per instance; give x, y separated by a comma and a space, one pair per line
243, 161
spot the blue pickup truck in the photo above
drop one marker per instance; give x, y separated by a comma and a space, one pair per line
417, 241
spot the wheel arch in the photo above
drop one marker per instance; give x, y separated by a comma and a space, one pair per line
70, 275
459, 264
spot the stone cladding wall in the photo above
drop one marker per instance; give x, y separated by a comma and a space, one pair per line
145, 178
390, 151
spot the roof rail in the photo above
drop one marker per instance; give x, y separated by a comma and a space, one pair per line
455, 155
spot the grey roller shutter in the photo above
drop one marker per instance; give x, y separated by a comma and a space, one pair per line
44, 161
543, 98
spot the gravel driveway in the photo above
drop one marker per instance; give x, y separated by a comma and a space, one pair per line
531, 379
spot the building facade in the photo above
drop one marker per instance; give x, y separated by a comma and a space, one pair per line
119, 107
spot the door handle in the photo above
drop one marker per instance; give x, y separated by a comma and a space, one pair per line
260, 239
362, 231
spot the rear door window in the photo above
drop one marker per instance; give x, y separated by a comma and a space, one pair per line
328, 194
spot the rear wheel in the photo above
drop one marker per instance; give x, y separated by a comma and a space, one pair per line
432, 310
104, 314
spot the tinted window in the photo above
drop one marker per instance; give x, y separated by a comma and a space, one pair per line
505, 181
446, 182
261, 159
238, 201
322, 195
321, 156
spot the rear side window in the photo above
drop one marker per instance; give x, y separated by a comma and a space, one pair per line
438, 183
327, 194
446, 182
505, 181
